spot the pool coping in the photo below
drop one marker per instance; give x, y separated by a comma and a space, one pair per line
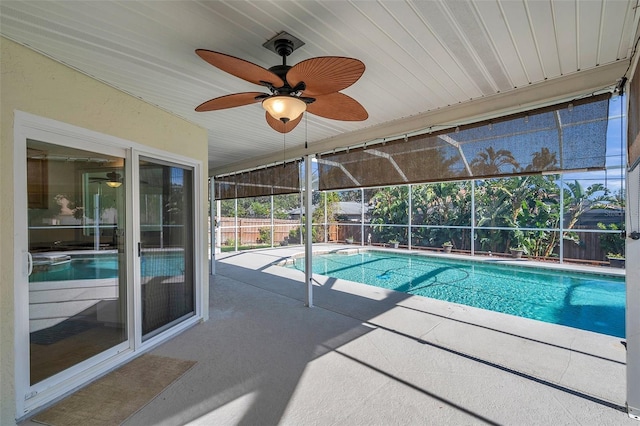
522, 263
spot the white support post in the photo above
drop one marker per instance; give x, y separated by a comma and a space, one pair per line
308, 244
212, 228
410, 230
235, 228
561, 248
302, 235
473, 217
326, 225
632, 251
96, 220
218, 227
272, 222
361, 216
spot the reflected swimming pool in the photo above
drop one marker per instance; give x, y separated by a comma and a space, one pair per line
100, 266
587, 301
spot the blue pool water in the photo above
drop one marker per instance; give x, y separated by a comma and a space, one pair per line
580, 300
106, 266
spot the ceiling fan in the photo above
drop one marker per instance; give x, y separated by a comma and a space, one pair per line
312, 85
112, 179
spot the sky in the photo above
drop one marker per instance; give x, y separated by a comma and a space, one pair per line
612, 177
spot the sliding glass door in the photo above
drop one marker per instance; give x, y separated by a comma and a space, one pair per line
76, 243
106, 263
166, 248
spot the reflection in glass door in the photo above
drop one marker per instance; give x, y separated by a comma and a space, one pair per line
77, 285
166, 248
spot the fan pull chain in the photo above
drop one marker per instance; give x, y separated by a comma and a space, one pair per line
306, 126
284, 148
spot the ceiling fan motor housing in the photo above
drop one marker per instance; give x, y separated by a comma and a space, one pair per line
283, 47
281, 71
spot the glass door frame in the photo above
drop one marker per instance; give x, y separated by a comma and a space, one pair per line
30, 396
197, 241
28, 126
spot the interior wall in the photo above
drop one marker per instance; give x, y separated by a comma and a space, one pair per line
38, 85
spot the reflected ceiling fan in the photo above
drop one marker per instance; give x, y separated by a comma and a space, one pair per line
312, 85
112, 179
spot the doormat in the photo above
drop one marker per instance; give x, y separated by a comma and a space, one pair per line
115, 397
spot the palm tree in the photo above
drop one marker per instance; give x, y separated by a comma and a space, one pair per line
491, 162
542, 160
580, 200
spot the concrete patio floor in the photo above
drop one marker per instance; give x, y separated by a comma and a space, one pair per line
369, 356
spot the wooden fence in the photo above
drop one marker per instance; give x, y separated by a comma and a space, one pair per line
588, 248
249, 230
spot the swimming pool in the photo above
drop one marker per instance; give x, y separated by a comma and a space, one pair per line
590, 302
99, 266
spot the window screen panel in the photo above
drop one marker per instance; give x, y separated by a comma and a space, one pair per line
260, 182
569, 136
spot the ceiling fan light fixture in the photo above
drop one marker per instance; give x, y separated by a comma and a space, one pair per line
114, 180
284, 108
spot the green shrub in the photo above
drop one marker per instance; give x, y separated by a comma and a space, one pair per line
265, 235
613, 244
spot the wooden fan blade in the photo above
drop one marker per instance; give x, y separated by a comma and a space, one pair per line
338, 106
325, 74
240, 68
229, 101
281, 127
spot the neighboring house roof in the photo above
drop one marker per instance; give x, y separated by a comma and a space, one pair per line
591, 218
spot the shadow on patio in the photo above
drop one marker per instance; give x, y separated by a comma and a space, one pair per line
366, 355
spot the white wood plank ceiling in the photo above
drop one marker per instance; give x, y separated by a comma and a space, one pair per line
422, 58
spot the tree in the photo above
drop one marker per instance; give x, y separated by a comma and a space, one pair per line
542, 160
491, 162
577, 200
541, 213
518, 202
494, 208
328, 200
260, 209
283, 204
612, 244
390, 206
447, 203
434, 164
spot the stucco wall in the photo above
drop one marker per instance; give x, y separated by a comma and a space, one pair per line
35, 84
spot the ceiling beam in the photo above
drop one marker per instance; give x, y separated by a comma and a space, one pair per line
533, 96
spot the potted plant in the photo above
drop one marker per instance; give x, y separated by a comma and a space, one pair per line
349, 240
616, 260
394, 243
522, 244
447, 246
516, 252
